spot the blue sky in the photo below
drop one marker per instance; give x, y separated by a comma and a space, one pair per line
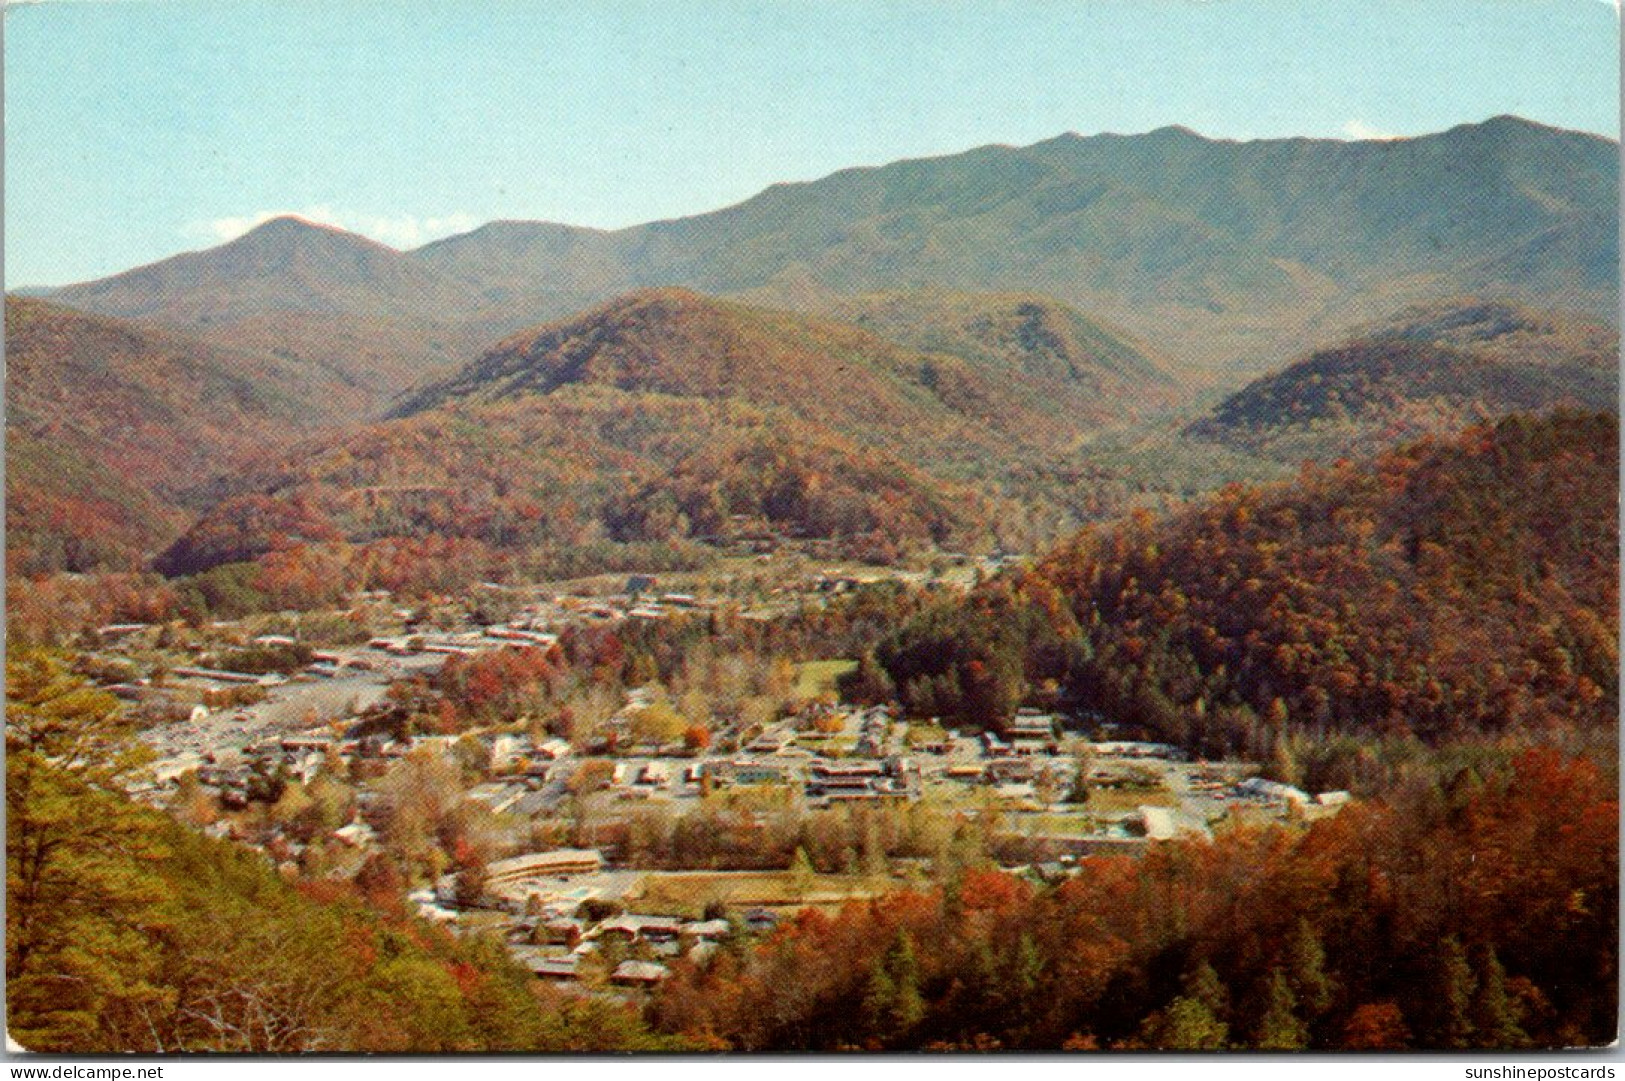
135, 130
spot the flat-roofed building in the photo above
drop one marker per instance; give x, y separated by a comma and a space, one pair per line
559, 862
639, 973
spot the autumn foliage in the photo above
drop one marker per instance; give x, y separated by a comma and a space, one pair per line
1441, 590
1479, 913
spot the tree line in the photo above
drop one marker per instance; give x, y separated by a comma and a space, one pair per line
1478, 912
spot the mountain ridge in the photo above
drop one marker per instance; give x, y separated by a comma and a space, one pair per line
112, 425
1217, 252
666, 416
676, 341
1429, 369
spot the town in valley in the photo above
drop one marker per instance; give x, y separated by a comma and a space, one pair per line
292, 734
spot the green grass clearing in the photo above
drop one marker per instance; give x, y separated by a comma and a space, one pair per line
1109, 801
688, 892
1072, 825
926, 733
814, 678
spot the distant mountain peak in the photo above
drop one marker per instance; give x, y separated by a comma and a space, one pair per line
1509, 125
1177, 131
1166, 133
500, 228
291, 224
285, 264
1502, 125
291, 228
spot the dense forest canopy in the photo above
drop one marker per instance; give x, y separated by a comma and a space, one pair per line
1479, 913
1431, 370
1373, 598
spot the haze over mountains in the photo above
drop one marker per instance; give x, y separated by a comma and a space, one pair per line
926, 352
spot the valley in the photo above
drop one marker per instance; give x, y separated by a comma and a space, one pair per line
1118, 593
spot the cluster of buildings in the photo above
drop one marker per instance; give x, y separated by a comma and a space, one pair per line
563, 913
828, 755
561, 949
1275, 792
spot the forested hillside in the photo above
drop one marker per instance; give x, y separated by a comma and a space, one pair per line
1430, 370
1478, 914
1026, 336
677, 342
666, 418
126, 931
1439, 590
110, 424
596, 478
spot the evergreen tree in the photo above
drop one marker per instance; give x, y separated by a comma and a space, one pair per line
1018, 998
76, 892
1278, 1027
1494, 1022
1306, 970
802, 875
908, 1007
1186, 1025
879, 996
1025, 968
1284, 765
1449, 1002
1202, 984
870, 683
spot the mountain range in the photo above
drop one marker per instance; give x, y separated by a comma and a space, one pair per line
933, 352
1202, 246
1216, 253
666, 416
